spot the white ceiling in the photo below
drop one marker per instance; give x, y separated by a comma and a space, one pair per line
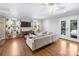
37, 10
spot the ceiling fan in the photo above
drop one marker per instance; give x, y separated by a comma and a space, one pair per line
49, 4
52, 7
55, 5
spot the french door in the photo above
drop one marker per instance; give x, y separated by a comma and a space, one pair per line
69, 29
73, 29
63, 28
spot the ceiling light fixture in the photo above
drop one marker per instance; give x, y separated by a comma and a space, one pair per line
47, 4
51, 6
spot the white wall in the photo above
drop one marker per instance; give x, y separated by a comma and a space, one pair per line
67, 19
50, 25
54, 25
2, 27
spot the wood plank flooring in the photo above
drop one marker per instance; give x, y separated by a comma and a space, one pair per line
18, 47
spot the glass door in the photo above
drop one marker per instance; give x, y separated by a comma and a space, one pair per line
73, 29
63, 27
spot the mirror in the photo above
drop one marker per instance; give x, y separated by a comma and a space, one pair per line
73, 28
63, 27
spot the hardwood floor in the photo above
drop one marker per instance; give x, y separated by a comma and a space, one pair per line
18, 47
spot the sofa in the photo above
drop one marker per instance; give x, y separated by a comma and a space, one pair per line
40, 41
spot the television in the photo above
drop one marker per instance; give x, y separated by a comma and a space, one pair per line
25, 24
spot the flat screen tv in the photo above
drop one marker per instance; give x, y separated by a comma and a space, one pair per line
25, 24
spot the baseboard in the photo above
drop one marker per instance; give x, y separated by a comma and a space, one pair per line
71, 39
